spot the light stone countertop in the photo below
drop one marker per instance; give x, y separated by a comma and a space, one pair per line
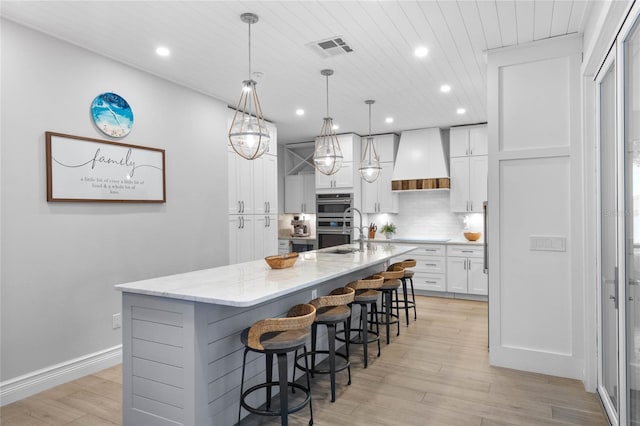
427, 240
251, 283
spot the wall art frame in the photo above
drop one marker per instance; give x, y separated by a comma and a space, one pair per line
81, 169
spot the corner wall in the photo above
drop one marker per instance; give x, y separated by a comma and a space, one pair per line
61, 260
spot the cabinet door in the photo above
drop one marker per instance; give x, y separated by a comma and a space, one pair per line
270, 183
346, 146
459, 192
430, 282
478, 283
293, 193
344, 177
309, 193
385, 146
370, 196
265, 236
387, 199
324, 181
241, 238
478, 141
457, 274
459, 142
240, 182
259, 186
478, 167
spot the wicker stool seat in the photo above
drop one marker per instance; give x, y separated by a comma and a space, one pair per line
405, 302
392, 281
366, 296
278, 336
331, 310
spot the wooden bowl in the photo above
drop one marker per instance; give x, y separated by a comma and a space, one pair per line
472, 236
282, 261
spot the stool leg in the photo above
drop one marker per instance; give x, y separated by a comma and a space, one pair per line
386, 299
306, 364
365, 335
375, 309
406, 299
269, 371
244, 363
397, 306
347, 327
314, 333
284, 394
331, 335
413, 297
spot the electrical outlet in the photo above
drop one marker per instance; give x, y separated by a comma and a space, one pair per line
314, 294
116, 321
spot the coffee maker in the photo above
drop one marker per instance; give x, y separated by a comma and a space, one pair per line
300, 227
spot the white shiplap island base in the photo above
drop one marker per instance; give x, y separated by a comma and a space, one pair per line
182, 355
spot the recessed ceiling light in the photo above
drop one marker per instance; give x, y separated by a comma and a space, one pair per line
388, 120
299, 111
461, 110
163, 51
445, 88
336, 127
421, 52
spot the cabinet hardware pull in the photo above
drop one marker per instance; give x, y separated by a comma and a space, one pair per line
239, 207
269, 206
239, 223
430, 264
466, 251
471, 205
430, 282
242, 203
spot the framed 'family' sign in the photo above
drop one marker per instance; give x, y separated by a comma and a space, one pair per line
84, 169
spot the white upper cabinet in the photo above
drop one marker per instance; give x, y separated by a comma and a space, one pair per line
468, 168
265, 178
468, 140
240, 175
300, 193
344, 177
377, 196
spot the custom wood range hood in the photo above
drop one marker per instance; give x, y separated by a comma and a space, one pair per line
421, 163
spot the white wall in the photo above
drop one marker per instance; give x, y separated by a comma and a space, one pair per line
60, 260
424, 214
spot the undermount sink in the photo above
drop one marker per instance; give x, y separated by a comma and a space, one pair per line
342, 251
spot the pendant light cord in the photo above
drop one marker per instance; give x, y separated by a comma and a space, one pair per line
249, 50
369, 120
327, 96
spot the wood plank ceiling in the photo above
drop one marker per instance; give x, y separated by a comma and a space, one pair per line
208, 45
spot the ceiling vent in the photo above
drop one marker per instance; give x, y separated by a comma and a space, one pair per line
333, 46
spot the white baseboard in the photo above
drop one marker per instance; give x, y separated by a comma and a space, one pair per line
37, 381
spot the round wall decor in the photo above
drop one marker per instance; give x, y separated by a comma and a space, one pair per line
112, 114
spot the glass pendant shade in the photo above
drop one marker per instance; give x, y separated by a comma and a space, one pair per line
327, 155
370, 165
249, 135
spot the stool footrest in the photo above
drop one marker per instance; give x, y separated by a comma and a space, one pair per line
261, 412
374, 336
393, 319
312, 370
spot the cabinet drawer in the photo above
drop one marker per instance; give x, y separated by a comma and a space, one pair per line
465, 251
283, 244
430, 264
431, 282
429, 250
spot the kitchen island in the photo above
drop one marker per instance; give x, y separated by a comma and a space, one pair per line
182, 354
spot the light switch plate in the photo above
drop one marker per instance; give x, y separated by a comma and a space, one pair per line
547, 243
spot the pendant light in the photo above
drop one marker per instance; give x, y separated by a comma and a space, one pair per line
327, 155
370, 165
248, 134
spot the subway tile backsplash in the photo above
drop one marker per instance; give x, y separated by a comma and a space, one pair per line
423, 214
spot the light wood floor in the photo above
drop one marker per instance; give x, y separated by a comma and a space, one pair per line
435, 373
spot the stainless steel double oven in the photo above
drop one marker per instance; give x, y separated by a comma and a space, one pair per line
330, 219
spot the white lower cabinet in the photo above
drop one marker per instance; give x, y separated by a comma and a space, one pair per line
241, 238
450, 268
265, 236
465, 270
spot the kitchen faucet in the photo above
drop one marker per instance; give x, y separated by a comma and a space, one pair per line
360, 228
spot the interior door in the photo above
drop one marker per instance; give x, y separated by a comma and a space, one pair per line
608, 386
631, 55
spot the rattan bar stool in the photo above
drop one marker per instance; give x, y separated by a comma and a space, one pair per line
278, 336
331, 310
408, 276
392, 282
366, 296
